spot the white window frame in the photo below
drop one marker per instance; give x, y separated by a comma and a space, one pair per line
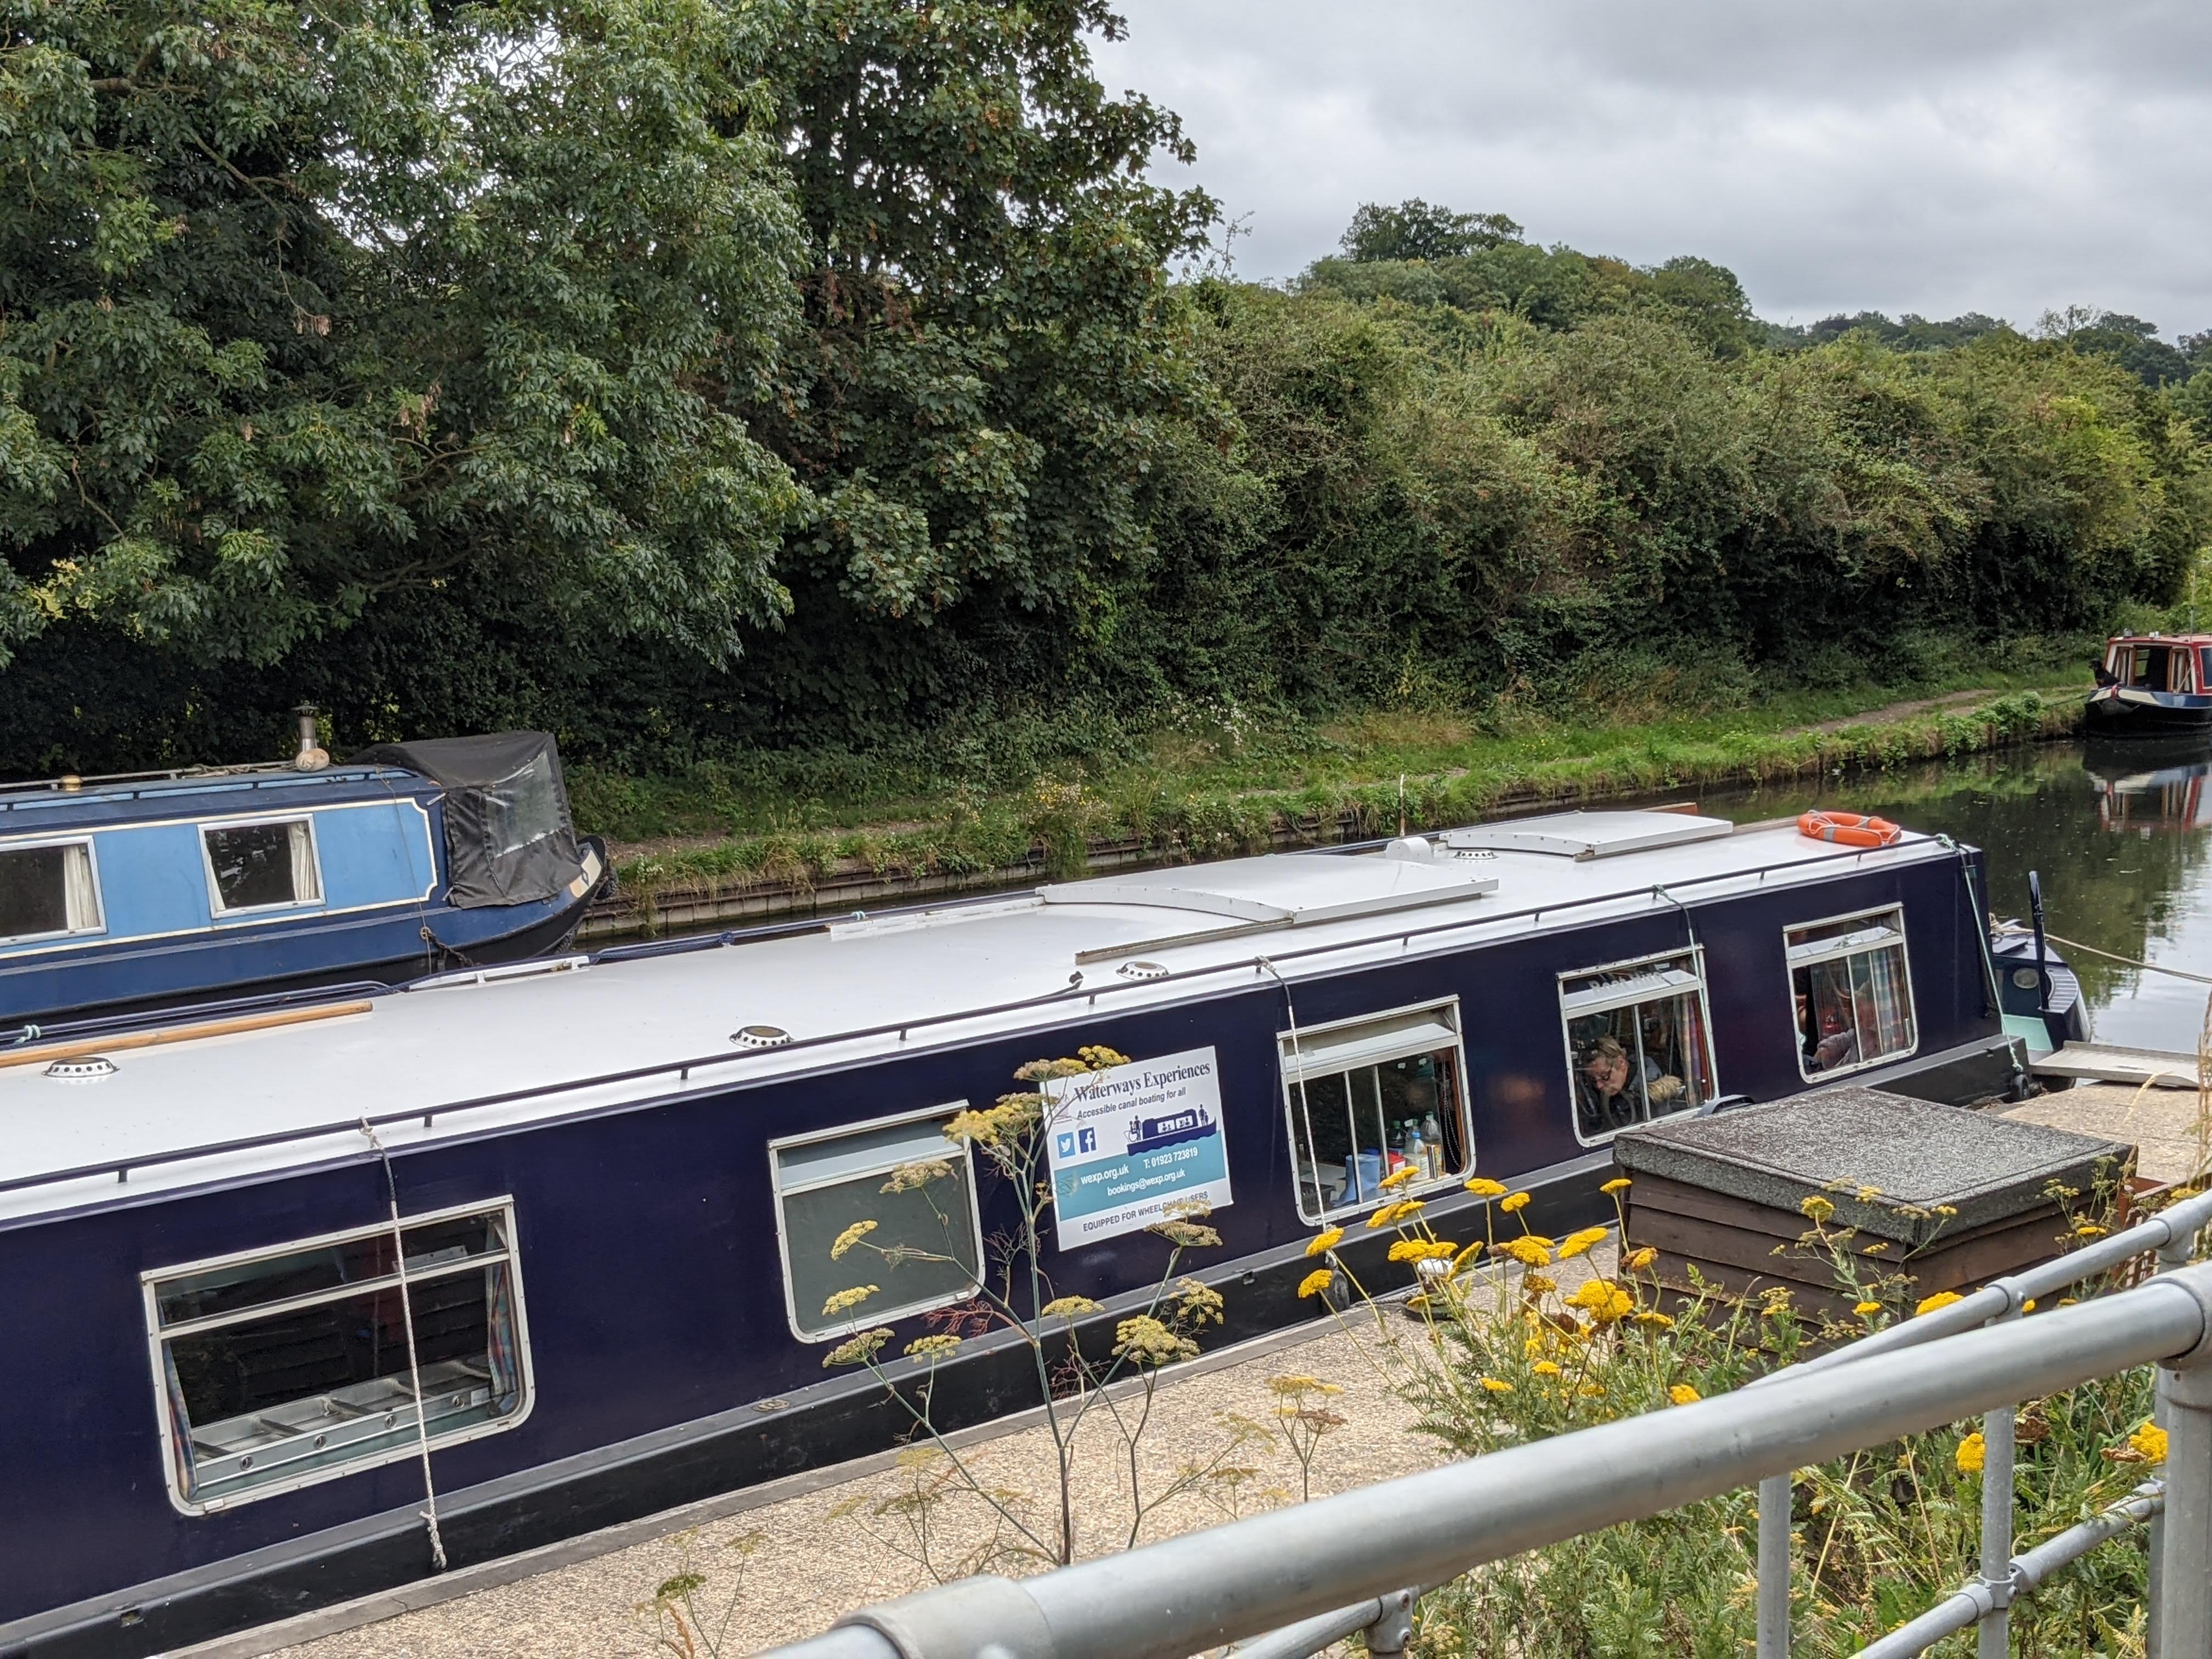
99, 894
221, 912
1449, 1009
1630, 998
173, 1459
1894, 914
868, 1315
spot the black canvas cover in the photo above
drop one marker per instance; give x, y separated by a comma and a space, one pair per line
509, 840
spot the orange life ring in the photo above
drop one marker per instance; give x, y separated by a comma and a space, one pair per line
1848, 829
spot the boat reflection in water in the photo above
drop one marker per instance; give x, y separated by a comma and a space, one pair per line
2148, 786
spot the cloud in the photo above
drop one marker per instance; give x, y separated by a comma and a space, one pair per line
2004, 158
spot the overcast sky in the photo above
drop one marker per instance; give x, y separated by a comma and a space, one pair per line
1893, 155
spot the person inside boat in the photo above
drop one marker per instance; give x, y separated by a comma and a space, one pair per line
1612, 1094
1829, 1039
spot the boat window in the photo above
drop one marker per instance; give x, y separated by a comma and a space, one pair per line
1368, 1098
523, 807
258, 866
294, 1365
1639, 1042
48, 891
925, 1250
1853, 991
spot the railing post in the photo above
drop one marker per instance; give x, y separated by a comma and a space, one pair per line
2183, 1568
2174, 1253
1775, 1497
1994, 1640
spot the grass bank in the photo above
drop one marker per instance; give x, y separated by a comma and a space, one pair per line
705, 848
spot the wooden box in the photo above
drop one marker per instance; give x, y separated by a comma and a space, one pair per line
1947, 1198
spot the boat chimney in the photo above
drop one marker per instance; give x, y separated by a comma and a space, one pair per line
313, 757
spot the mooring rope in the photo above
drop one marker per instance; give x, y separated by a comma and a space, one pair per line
2014, 930
413, 1360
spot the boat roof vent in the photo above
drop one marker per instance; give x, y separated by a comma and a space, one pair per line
1143, 971
84, 1068
760, 1037
1589, 834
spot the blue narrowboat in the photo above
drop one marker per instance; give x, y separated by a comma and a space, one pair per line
552, 1246
2151, 685
119, 895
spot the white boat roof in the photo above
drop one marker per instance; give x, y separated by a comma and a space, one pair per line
1136, 940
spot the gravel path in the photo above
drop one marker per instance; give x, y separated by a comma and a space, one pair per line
786, 1569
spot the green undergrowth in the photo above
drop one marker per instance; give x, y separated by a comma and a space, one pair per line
1194, 793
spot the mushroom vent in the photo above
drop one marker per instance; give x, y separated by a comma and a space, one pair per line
1143, 971
760, 1037
85, 1069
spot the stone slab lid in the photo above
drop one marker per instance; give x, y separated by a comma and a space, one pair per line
1840, 1141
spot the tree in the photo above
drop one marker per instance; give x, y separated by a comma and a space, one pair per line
1415, 230
977, 378
301, 307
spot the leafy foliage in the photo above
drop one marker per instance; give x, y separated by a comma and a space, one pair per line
1415, 230
302, 307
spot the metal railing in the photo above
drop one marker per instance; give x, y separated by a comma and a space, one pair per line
1299, 1578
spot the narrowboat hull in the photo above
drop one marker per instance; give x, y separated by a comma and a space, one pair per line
810, 1426
2129, 712
94, 988
648, 1156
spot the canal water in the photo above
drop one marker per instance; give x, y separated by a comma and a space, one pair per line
2121, 834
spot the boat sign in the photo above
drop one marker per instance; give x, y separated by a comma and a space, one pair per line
1126, 1143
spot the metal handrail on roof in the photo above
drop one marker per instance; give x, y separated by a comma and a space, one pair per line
1356, 1561
1076, 989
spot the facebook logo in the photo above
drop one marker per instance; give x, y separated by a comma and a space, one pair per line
1072, 1142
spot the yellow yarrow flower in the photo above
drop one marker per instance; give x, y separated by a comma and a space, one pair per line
1316, 1282
1617, 1184
1864, 1309
1640, 1260
1973, 1451
1421, 1250
1513, 1202
1400, 1177
1538, 1283
1817, 1208
1484, 1187
1496, 1385
2090, 1230
1525, 1251
2150, 1440
1547, 1368
1575, 1244
1657, 1320
1683, 1394
1940, 1299
1321, 1243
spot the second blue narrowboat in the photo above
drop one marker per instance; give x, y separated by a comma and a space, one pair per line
133, 895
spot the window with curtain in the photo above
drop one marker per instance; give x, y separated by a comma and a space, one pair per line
1368, 1098
1853, 991
1639, 1042
925, 1249
258, 866
293, 1365
47, 891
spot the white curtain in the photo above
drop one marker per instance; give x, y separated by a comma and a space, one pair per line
80, 894
307, 884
